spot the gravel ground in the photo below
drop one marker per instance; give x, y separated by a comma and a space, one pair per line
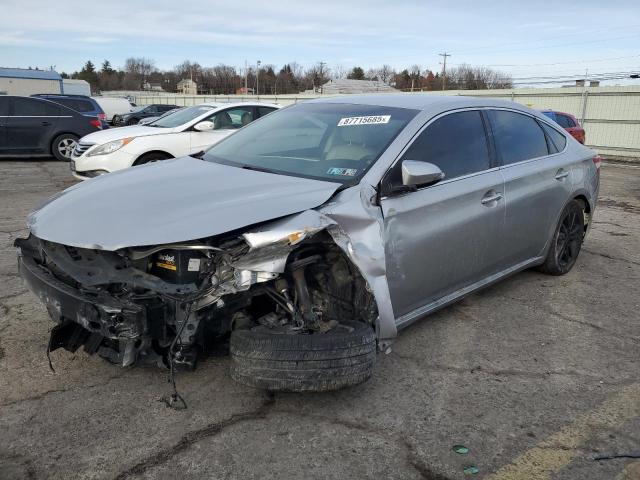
536, 375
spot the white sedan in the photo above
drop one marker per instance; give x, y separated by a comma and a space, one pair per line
184, 132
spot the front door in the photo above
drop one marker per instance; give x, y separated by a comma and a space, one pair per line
442, 238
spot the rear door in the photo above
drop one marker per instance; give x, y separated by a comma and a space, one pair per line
31, 125
225, 123
442, 238
4, 118
537, 179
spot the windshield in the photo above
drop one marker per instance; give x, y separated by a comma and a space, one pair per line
334, 142
137, 109
182, 116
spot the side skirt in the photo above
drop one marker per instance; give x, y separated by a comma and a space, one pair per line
408, 318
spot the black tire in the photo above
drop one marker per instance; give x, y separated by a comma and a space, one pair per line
63, 145
131, 122
318, 362
152, 157
566, 241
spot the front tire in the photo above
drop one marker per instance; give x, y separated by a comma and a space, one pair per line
317, 362
566, 242
63, 145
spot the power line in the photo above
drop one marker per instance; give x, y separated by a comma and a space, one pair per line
553, 64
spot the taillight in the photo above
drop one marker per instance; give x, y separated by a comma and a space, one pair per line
96, 123
597, 161
102, 116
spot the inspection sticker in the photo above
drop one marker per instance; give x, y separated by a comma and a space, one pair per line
368, 120
345, 172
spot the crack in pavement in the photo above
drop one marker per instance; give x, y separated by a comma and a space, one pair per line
71, 388
412, 455
609, 257
195, 436
503, 372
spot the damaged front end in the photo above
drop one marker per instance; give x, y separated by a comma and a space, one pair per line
171, 304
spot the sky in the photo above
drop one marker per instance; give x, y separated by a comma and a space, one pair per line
528, 40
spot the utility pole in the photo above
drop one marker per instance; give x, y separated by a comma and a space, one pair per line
258, 63
246, 78
322, 64
444, 68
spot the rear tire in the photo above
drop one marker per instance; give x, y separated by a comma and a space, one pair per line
566, 241
318, 362
152, 157
63, 145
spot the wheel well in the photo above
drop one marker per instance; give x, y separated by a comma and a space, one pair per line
162, 152
586, 208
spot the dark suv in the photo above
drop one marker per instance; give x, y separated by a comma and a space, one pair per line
37, 127
80, 103
153, 110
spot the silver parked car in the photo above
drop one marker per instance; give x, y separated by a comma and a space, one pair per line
311, 236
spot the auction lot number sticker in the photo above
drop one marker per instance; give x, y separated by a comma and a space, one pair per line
368, 120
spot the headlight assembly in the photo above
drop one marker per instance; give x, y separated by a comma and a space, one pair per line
109, 147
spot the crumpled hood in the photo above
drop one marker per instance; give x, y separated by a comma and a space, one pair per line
171, 201
111, 134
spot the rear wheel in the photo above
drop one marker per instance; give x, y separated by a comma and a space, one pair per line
566, 242
152, 157
342, 357
63, 145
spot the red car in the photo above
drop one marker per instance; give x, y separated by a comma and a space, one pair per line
568, 122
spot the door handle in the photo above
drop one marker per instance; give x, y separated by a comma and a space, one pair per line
490, 197
46, 124
561, 174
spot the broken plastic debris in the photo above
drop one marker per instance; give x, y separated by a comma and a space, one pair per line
471, 470
461, 449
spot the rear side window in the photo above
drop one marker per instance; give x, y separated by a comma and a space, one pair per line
78, 105
557, 139
518, 137
29, 107
456, 143
565, 121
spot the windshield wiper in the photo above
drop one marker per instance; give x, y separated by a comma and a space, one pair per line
256, 169
197, 154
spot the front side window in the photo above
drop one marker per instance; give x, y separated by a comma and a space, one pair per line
182, 116
518, 137
456, 143
29, 107
332, 142
4, 106
233, 118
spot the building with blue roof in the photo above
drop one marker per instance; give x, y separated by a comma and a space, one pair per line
21, 81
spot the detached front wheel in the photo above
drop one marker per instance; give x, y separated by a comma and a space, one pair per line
317, 362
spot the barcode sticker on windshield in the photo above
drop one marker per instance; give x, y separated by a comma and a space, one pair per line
368, 120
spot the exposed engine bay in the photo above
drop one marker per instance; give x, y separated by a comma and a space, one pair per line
170, 305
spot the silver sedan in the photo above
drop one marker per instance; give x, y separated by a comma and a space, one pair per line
309, 238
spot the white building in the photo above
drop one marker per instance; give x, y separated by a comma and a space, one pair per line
345, 85
187, 86
19, 81
72, 86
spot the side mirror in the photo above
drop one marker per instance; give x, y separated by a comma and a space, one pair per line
416, 173
205, 126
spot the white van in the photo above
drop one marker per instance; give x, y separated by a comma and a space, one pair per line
113, 106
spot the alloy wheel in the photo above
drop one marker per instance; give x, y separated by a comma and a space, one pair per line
569, 239
66, 147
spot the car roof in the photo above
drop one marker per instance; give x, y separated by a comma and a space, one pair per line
420, 101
